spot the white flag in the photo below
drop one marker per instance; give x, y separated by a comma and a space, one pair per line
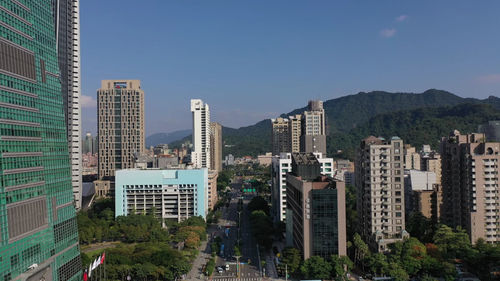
90, 269
95, 264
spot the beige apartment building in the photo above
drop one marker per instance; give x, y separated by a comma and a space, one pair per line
216, 146
294, 132
470, 168
120, 112
280, 135
411, 158
212, 189
379, 181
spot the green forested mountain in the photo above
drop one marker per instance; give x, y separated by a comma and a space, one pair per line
350, 118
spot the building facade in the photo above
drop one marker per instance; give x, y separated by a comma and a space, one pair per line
37, 206
421, 188
315, 220
294, 132
216, 146
281, 165
173, 194
68, 49
379, 181
200, 155
212, 189
411, 158
491, 130
313, 132
280, 135
470, 185
120, 110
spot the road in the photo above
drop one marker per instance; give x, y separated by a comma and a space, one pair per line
248, 266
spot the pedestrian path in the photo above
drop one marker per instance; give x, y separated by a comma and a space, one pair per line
238, 279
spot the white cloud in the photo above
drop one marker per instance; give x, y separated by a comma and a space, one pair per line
402, 18
388, 32
489, 78
88, 102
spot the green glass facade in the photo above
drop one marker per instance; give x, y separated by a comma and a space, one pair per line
324, 233
38, 229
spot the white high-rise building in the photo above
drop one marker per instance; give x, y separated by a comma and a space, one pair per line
68, 51
200, 155
281, 165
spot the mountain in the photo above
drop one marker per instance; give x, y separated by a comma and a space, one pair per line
418, 126
345, 114
161, 138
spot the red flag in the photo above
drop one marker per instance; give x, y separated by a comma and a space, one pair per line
85, 276
103, 256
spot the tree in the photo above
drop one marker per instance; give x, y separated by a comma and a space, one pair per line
258, 203
397, 272
361, 250
292, 258
340, 266
316, 268
377, 263
452, 244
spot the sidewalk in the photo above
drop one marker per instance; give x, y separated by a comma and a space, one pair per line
199, 262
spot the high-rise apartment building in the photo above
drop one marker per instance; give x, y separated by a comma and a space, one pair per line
315, 220
313, 137
120, 110
470, 178
411, 158
212, 189
280, 135
216, 146
379, 181
280, 166
88, 144
294, 132
200, 155
37, 206
68, 49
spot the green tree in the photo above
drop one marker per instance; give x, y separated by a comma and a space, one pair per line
292, 258
258, 203
397, 272
377, 263
361, 250
316, 268
340, 266
452, 244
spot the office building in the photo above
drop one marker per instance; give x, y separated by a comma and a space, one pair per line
491, 130
216, 146
379, 181
470, 185
315, 220
38, 228
294, 132
313, 137
200, 154
266, 159
175, 194
281, 165
88, 143
212, 189
120, 110
411, 158
280, 135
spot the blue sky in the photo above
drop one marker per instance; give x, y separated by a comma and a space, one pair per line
251, 60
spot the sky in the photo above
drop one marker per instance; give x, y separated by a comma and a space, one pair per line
252, 60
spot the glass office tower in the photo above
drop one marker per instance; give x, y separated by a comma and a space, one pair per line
38, 229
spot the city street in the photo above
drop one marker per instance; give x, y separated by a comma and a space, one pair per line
248, 265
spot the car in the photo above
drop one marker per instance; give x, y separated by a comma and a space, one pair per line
219, 269
227, 266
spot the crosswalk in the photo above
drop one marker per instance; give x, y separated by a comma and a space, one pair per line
237, 279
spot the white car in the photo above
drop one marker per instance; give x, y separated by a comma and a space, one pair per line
227, 267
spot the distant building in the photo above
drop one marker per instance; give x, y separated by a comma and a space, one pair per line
379, 183
216, 146
349, 178
200, 155
88, 144
120, 111
411, 158
421, 190
431, 162
229, 160
491, 130
212, 189
280, 136
172, 194
161, 149
281, 165
470, 176
315, 220
266, 159
313, 132
166, 161
294, 132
